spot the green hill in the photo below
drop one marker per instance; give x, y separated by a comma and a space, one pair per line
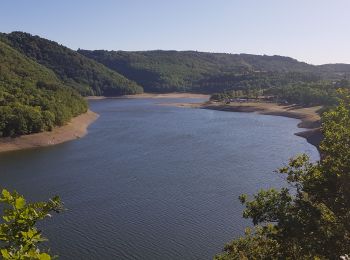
32, 98
114, 73
85, 75
15, 68
335, 71
164, 71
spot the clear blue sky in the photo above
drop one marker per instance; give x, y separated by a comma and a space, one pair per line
314, 31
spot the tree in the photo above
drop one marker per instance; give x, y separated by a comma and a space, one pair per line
310, 219
19, 237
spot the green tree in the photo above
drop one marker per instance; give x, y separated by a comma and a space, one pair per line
311, 218
19, 237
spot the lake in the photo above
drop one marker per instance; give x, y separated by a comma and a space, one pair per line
154, 182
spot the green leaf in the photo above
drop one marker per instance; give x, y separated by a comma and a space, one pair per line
20, 203
6, 194
5, 254
44, 256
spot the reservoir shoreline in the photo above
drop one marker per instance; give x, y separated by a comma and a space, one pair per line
308, 116
75, 129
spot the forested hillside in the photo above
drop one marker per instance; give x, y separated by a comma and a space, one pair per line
83, 74
113, 73
164, 71
32, 98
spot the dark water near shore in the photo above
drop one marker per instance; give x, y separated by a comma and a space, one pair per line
154, 182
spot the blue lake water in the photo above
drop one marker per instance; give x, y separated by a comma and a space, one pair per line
152, 181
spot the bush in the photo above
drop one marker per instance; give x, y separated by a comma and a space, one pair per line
18, 233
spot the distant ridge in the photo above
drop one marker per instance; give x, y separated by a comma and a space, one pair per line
113, 73
165, 71
83, 74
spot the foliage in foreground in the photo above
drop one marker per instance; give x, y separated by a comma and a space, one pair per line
311, 218
19, 237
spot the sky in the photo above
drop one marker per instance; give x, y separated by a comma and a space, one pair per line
314, 31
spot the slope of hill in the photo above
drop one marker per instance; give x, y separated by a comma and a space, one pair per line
335, 71
32, 98
85, 75
163, 71
113, 73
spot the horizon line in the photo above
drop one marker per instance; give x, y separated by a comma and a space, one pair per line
182, 50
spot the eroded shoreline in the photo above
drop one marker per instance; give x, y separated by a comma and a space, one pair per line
76, 128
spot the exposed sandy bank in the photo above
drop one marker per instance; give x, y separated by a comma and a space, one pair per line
77, 128
308, 116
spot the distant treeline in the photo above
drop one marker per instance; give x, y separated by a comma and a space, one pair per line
319, 93
312, 93
191, 71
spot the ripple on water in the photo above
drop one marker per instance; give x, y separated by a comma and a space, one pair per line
154, 182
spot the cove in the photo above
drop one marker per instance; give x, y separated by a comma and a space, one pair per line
152, 181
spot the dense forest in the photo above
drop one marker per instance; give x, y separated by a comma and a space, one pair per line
113, 73
87, 76
325, 93
229, 75
32, 98
165, 71
315, 93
